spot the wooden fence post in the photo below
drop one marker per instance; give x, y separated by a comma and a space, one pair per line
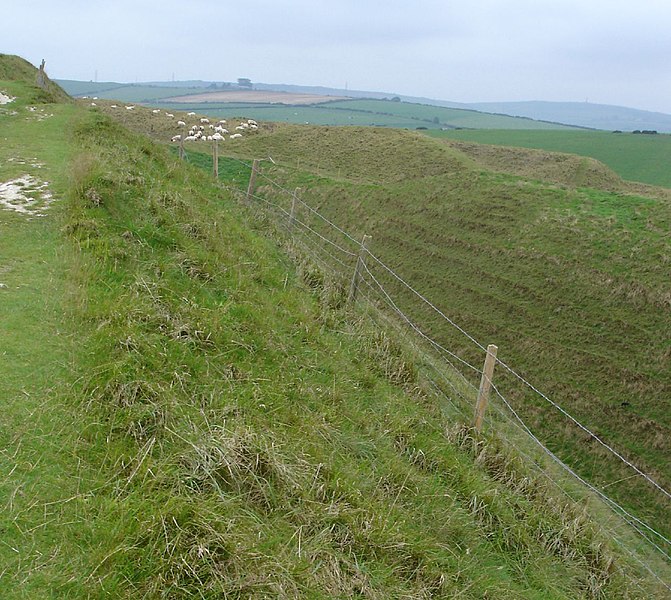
292, 214
215, 159
252, 179
485, 386
360, 261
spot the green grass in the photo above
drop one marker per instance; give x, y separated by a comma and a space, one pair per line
635, 157
126, 92
439, 117
315, 115
379, 113
203, 417
571, 283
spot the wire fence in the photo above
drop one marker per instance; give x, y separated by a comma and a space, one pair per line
447, 363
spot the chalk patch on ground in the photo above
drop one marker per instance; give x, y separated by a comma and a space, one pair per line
27, 195
33, 162
39, 114
5, 99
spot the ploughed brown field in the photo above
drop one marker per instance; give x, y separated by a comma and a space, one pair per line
256, 96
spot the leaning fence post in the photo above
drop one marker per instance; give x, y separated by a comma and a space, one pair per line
252, 179
292, 214
360, 261
485, 386
215, 159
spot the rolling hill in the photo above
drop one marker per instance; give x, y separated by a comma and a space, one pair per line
192, 408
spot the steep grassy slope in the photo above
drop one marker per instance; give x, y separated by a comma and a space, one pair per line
570, 282
199, 418
15, 70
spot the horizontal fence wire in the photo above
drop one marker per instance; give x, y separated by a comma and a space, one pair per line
375, 293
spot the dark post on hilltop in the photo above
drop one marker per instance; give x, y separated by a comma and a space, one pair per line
41, 77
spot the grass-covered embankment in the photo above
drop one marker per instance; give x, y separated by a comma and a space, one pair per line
255, 443
569, 280
636, 157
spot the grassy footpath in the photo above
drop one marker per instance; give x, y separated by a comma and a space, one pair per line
42, 521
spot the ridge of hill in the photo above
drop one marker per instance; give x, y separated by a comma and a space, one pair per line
15, 69
202, 417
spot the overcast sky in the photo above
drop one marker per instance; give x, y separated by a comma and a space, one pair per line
602, 51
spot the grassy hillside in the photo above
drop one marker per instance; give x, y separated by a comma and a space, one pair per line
570, 281
207, 419
632, 156
15, 70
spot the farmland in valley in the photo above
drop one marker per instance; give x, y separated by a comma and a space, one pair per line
636, 157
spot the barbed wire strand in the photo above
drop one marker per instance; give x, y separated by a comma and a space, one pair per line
605, 498
564, 466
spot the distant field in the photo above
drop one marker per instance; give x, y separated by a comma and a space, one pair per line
259, 96
380, 113
313, 115
634, 157
440, 116
125, 92
305, 108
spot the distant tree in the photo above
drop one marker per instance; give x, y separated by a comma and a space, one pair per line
244, 82
395, 99
212, 86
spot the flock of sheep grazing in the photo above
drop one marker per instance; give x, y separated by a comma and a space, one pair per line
202, 130
207, 132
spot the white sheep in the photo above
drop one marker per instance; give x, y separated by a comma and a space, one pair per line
169, 115
252, 122
203, 120
176, 138
254, 127
218, 137
156, 111
130, 107
190, 138
240, 128
191, 114
181, 123
93, 104
235, 136
114, 106
222, 122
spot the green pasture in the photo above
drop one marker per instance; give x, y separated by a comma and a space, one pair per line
318, 114
636, 157
440, 117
